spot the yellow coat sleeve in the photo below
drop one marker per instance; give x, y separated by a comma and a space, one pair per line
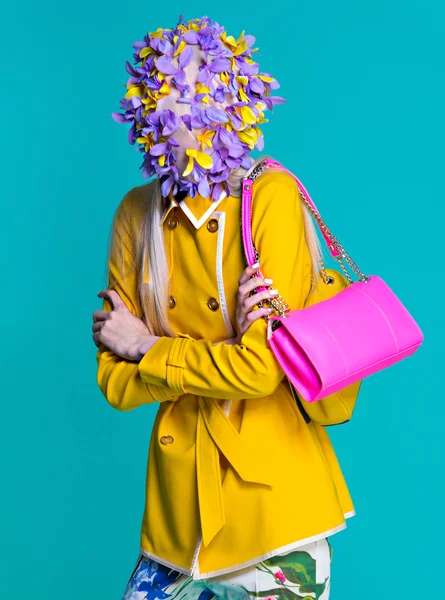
248, 369
119, 379
335, 409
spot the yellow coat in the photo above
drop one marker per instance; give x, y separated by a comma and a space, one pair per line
235, 474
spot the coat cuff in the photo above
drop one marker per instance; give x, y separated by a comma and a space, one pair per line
163, 365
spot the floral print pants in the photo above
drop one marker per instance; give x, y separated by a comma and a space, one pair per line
303, 573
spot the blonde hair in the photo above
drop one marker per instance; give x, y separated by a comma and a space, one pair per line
149, 252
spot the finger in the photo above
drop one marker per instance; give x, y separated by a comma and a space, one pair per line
98, 342
252, 316
248, 272
96, 339
113, 297
100, 315
97, 326
258, 313
253, 283
251, 301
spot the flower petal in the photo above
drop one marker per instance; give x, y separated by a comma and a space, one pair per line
189, 167
236, 151
166, 185
256, 85
185, 57
247, 161
277, 100
119, 117
233, 163
260, 143
180, 77
187, 121
218, 191
248, 115
241, 48
203, 188
216, 114
219, 65
165, 66
204, 160
191, 37
159, 149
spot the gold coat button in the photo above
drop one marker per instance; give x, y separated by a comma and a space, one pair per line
167, 440
213, 303
171, 302
212, 225
172, 222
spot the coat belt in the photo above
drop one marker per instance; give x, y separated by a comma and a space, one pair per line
215, 433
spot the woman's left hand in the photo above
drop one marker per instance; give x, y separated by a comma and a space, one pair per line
120, 330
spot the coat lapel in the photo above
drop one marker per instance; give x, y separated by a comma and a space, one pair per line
197, 209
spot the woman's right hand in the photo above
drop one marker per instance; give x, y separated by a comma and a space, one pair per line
245, 315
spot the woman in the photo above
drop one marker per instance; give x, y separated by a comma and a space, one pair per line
243, 485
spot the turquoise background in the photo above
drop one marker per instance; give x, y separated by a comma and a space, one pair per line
363, 129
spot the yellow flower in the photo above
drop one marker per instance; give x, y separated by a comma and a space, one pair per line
242, 79
243, 96
205, 138
150, 102
247, 115
265, 78
240, 49
192, 26
202, 89
146, 52
229, 40
163, 91
204, 160
224, 76
134, 90
147, 140
248, 136
261, 106
180, 48
237, 46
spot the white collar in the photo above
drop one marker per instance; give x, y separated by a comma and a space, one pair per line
186, 204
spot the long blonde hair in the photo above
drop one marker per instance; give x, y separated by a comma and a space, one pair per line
149, 252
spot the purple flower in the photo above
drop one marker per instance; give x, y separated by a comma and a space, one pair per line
191, 37
214, 114
235, 119
272, 100
165, 66
220, 93
169, 121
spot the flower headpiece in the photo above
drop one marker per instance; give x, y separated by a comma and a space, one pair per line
194, 100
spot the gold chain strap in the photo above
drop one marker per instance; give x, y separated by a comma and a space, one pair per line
278, 302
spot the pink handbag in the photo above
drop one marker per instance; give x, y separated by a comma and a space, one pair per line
329, 345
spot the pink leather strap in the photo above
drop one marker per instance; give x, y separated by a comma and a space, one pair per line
247, 215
